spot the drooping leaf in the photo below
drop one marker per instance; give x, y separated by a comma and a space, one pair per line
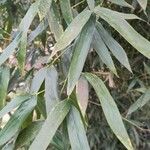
15, 122
76, 131
91, 4
143, 3
38, 80
17, 101
39, 29
28, 134
43, 7
4, 80
140, 102
51, 124
81, 50
66, 11
127, 31
110, 110
21, 56
103, 52
147, 68
54, 21
121, 3
82, 92
51, 90
72, 31
114, 46
98, 10
9, 50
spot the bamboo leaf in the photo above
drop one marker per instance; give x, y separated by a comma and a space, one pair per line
114, 46
54, 21
103, 52
15, 122
4, 80
17, 101
28, 134
66, 11
121, 3
140, 102
81, 50
127, 31
51, 124
82, 92
72, 31
51, 90
91, 4
43, 7
143, 3
110, 110
76, 131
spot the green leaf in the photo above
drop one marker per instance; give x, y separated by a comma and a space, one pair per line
39, 29
54, 21
121, 3
81, 50
145, 98
15, 122
4, 80
114, 46
9, 50
72, 31
51, 124
21, 56
110, 109
82, 93
91, 4
147, 68
66, 11
103, 52
143, 3
98, 10
38, 80
43, 7
28, 134
76, 131
17, 101
127, 31
51, 90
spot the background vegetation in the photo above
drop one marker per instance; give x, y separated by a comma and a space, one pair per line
74, 74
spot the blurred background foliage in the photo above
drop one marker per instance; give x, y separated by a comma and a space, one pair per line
125, 90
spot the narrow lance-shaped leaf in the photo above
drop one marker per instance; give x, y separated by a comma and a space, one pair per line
76, 131
121, 15
66, 11
9, 50
81, 50
82, 92
127, 31
21, 56
51, 91
114, 46
15, 122
43, 7
72, 31
121, 3
110, 109
140, 102
91, 4
4, 80
38, 80
103, 52
54, 21
28, 134
51, 124
143, 3
17, 101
